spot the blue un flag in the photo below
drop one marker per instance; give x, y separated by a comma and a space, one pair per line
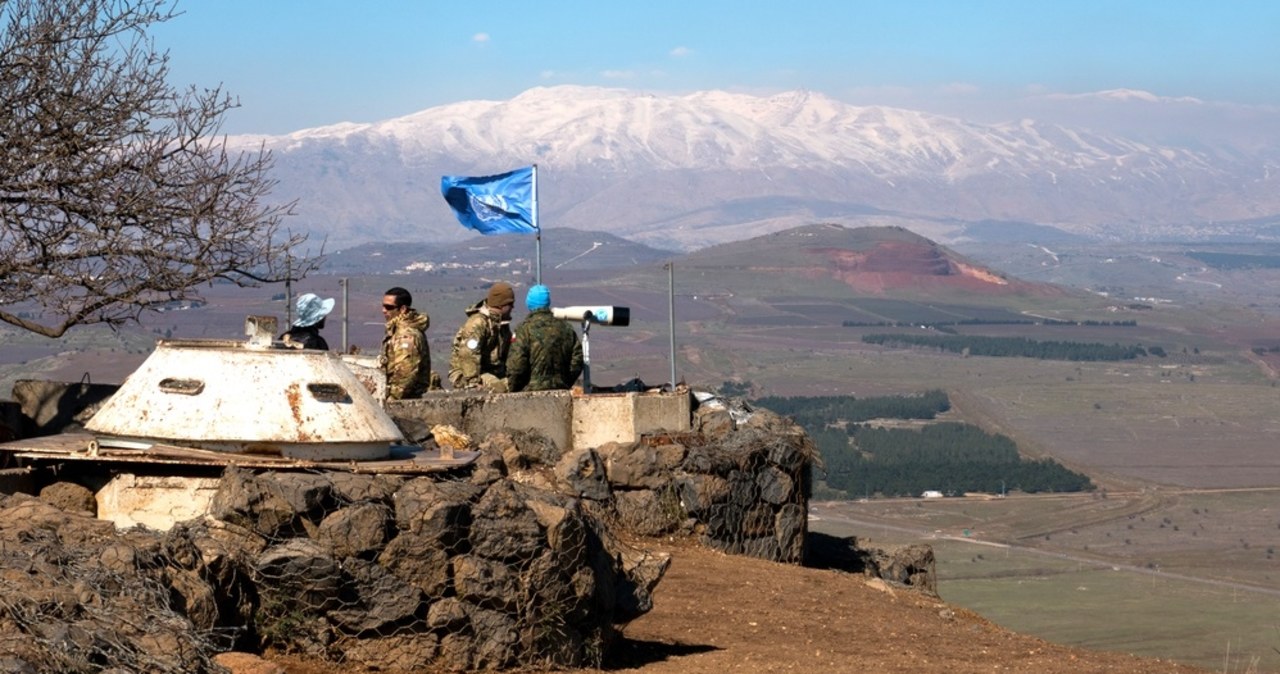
501, 204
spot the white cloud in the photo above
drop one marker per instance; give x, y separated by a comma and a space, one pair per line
480, 38
1124, 95
547, 74
680, 52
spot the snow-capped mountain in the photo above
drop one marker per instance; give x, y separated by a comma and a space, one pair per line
687, 171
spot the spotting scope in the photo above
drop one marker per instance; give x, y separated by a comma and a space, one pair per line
604, 315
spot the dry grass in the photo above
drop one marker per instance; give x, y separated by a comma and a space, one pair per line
1173, 573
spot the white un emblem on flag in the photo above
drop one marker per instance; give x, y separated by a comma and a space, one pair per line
489, 207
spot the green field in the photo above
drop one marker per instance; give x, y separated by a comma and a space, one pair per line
1156, 573
1148, 614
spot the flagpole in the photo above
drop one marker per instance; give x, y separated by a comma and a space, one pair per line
671, 317
537, 269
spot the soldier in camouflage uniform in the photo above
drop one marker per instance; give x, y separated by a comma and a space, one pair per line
479, 357
406, 356
546, 353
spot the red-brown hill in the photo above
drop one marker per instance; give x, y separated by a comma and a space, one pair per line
886, 261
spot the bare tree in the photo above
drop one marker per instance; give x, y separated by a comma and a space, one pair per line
116, 192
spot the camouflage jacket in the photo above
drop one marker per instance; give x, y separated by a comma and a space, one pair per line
406, 357
479, 348
546, 354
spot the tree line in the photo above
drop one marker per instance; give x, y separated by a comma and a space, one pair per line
819, 411
950, 457
953, 458
1017, 346
986, 321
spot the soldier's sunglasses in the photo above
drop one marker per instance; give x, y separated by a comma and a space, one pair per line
390, 307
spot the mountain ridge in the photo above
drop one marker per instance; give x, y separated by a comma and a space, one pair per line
686, 171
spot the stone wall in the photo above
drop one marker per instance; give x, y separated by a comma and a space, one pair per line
384, 572
739, 481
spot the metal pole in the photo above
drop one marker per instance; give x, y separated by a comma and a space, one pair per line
345, 283
537, 246
586, 357
288, 289
671, 317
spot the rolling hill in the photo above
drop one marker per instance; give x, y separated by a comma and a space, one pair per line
875, 261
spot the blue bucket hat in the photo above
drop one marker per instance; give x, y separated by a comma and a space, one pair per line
311, 310
539, 297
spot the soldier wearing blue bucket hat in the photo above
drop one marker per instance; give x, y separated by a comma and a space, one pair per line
304, 333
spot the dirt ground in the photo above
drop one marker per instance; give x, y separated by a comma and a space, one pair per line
715, 613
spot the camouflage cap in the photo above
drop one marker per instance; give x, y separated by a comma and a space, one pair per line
500, 295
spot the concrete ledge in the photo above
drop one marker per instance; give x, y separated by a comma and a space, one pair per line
479, 414
156, 502
570, 421
624, 417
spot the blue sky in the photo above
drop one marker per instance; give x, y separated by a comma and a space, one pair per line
302, 63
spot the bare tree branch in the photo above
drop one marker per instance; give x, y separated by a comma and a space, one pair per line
117, 194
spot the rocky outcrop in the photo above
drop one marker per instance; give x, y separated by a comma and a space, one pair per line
908, 566
371, 571
75, 597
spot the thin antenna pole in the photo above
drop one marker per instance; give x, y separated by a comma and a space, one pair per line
586, 356
345, 283
671, 317
288, 288
537, 269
